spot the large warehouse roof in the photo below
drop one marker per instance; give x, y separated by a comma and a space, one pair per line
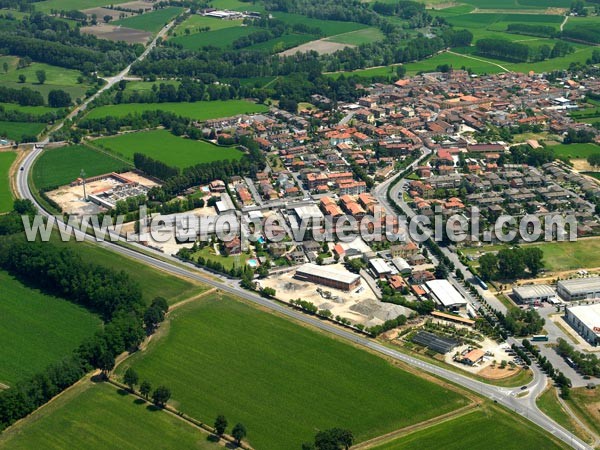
589, 315
580, 285
534, 291
327, 272
445, 293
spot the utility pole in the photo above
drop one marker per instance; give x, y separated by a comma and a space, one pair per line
82, 175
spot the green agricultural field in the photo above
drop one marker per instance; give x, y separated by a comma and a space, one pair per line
68, 5
168, 148
584, 402
152, 21
195, 110
485, 429
56, 78
328, 27
6, 198
39, 329
16, 130
60, 166
364, 36
196, 21
237, 5
576, 151
282, 43
218, 38
98, 416
581, 254
221, 356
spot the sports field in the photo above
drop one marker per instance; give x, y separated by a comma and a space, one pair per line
6, 198
38, 329
483, 429
60, 166
98, 416
152, 21
194, 110
576, 151
168, 148
17, 130
283, 381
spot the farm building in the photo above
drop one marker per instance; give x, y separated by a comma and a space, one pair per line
473, 357
534, 293
445, 294
579, 288
585, 320
327, 276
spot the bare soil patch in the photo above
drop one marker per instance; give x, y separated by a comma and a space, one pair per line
321, 46
117, 33
137, 4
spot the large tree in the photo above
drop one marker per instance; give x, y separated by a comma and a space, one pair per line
161, 395
334, 439
220, 424
488, 266
41, 76
533, 260
510, 263
145, 389
130, 378
238, 432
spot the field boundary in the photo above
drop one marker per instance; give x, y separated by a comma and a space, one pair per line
468, 409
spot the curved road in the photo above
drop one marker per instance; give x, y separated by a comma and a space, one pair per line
524, 406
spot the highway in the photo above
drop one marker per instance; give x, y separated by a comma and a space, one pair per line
524, 406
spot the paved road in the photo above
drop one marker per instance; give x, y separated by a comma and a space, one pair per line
505, 396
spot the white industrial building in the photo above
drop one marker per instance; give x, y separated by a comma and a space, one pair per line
445, 294
381, 268
534, 293
402, 265
579, 288
585, 319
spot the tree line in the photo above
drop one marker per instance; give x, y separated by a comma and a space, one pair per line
518, 52
23, 96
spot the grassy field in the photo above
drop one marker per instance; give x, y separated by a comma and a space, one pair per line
60, 166
358, 37
195, 110
43, 329
575, 151
282, 43
6, 198
17, 130
220, 38
483, 429
166, 147
98, 416
328, 27
237, 5
586, 404
69, 5
152, 21
228, 261
154, 283
581, 254
196, 21
223, 356
56, 78
549, 404
28, 109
